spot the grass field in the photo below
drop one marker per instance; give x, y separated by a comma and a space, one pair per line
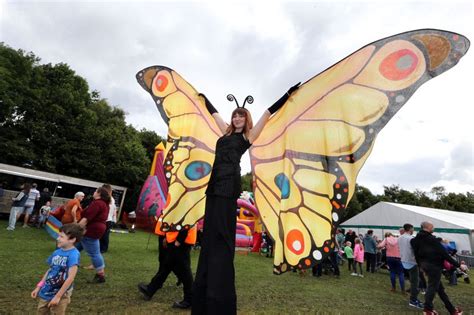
129, 261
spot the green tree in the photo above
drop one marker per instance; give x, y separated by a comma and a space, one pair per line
49, 120
246, 182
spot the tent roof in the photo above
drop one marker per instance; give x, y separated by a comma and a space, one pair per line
388, 213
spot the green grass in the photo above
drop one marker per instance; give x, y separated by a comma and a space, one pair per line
24, 251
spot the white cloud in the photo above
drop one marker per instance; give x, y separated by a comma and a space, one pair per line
260, 49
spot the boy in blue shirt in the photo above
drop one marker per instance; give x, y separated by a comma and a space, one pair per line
55, 288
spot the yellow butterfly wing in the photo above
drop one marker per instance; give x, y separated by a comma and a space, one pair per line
306, 161
189, 155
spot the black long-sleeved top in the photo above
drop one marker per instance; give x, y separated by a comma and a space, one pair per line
429, 250
225, 176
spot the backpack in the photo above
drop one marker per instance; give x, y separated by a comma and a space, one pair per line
21, 202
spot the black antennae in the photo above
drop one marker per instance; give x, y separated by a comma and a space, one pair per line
231, 98
248, 99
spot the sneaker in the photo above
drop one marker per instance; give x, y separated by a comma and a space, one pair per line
423, 291
10, 229
416, 304
25, 226
182, 305
362, 276
143, 288
430, 312
353, 274
457, 311
98, 279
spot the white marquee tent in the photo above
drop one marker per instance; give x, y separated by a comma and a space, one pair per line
384, 217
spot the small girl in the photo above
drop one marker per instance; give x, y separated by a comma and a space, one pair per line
44, 214
358, 257
349, 255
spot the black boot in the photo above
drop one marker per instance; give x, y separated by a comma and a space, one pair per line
143, 288
182, 304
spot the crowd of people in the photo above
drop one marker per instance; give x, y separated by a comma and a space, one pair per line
213, 289
85, 228
406, 256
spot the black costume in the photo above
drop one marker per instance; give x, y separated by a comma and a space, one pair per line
174, 259
214, 285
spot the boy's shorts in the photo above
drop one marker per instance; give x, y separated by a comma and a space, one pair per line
57, 309
28, 210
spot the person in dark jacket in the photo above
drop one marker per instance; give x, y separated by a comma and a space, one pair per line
370, 249
350, 237
174, 256
430, 256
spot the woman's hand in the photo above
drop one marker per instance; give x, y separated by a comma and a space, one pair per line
294, 88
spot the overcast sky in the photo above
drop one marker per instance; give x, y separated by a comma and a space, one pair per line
262, 48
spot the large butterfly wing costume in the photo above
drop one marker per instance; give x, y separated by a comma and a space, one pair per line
189, 154
306, 160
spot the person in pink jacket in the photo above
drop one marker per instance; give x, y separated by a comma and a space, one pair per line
358, 257
393, 260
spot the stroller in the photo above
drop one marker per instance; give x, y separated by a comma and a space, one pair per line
452, 274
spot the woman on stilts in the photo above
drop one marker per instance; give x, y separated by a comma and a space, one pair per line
214, 285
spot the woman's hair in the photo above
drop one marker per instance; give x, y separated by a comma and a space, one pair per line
388, 234
357, 240
104, 194
26, 188
79, 194
248, 121
108, 187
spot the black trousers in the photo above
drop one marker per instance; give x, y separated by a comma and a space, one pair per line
177, 260
370, 262
335, 265
435, 286
104, 240
214, 286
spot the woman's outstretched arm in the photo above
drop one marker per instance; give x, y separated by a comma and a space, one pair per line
257, 129
215, 114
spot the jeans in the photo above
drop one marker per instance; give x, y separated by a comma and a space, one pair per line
14, 211
396, 268
92, 247
413, 273
435, 285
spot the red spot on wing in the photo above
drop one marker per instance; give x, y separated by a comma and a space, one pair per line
161, 82
399, 64
295, 241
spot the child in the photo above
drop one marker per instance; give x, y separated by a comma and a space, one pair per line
358, 257
349, 255
44, 214
55, 288
463, 271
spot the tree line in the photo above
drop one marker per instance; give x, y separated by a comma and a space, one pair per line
51, 121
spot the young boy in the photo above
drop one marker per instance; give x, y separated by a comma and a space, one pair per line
55, 288
44, 214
